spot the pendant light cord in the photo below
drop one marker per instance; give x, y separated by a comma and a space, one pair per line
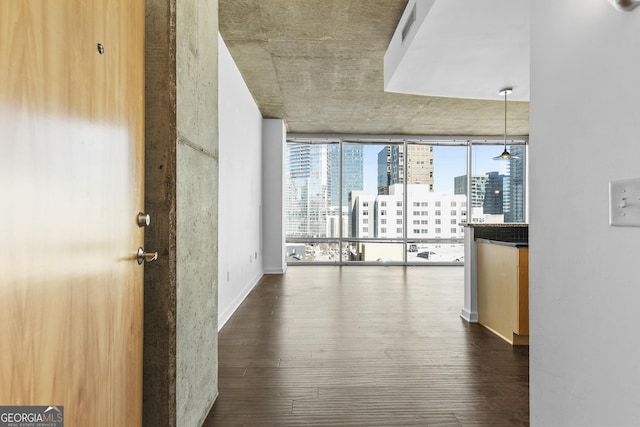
505, 120
505, 154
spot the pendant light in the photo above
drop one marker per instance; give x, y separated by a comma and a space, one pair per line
625, 5
505, 154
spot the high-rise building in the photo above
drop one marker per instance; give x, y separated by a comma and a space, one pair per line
384, 170
352, 172
478, 187
308, 189
515, 186
419, 167
313, 186
494, 194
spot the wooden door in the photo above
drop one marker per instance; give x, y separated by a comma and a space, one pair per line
71, 185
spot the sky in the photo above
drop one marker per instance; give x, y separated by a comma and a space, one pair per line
449, 162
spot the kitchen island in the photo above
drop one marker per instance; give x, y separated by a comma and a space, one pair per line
506, 233
503, 289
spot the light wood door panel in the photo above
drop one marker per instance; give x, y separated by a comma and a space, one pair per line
71, 180
503, 291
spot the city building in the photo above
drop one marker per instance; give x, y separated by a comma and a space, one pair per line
313, 186
384, 170
493, 203
361, 220
309, 189
515, 196
478, 187
334, 218
496, 197
352, 172
429, 216
391, 166
418, 161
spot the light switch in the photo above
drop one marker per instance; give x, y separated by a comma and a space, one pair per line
624, 202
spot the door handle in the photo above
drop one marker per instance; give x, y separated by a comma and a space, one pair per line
143, 219
146, 256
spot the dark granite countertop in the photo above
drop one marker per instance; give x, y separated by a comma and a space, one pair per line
500, 242
513, 233
508, 225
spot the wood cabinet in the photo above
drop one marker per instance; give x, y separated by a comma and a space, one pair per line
503, 290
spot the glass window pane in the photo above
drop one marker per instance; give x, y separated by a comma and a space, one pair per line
367, 171
431, 238
312, 252
375, 251
368, 210
312, 191
498, 186
435, 252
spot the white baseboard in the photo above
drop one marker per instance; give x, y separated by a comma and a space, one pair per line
468, 316
276, 270
228, 312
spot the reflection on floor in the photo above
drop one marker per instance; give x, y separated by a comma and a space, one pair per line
365, 346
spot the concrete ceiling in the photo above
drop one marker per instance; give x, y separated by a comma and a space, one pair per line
319, 65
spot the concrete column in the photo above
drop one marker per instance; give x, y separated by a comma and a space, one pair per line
181, 190
273, 190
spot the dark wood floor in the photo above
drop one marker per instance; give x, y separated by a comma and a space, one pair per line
365, 346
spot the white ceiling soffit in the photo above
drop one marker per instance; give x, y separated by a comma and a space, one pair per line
460, 49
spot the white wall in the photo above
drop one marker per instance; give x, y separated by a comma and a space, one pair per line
273, 163
584, 274
240, 187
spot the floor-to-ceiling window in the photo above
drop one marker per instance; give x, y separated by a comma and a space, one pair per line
437, 212
312, 209
396, 200
498, 186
